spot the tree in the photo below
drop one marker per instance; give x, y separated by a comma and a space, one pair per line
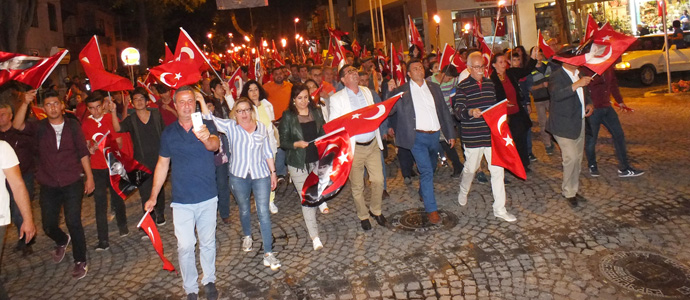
16, 17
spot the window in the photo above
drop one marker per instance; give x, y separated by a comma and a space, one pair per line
52, 17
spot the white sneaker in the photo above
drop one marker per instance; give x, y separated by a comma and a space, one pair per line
462, 199
505, 215
247, 243
271, 261
323, 207
317, 243
273, 208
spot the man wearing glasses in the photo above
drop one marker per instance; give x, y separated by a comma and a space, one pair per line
473, 95
423, 105
367, 146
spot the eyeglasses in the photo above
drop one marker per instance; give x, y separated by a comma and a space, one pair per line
477, 67
351, 71
52, 104
242, 111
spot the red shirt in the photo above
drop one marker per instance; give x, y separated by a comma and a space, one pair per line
93, 132
168, 116
511, 95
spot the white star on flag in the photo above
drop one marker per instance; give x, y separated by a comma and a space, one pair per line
397, 68
178, 75
356, 116
606, 38
508, 140
343, 157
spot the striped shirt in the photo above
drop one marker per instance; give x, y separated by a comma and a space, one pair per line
468, 95
248, 151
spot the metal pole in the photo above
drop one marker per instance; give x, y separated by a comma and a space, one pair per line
383, 27
373, 31
331, 13
668, 63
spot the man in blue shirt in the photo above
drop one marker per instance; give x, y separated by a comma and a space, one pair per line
194, 193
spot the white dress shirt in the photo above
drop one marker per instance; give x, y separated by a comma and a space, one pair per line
424, 107
575, 76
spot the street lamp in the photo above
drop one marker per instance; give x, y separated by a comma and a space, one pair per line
130, 57
210, 40
246, 38
296, 35
437, 19
283, 42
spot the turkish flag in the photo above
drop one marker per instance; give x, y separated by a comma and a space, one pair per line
149, 227
591, 28
91, 54
152, 95
396, 68
169, 56
500, 24
126, 174
415, 38
487, 54
335, 49
363, 120
383, 64
32, 70
503, 151
450, 56
186, 48
315, 94
177, 73
332, 169
235, 83
39, 112
356, 48
276, 55
545, 48
599, 52
661, 6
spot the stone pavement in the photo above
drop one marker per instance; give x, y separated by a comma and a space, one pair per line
629, 241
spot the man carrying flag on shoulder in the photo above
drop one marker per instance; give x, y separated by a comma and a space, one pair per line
472, 96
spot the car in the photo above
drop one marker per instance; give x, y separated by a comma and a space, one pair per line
646, 58
501, 42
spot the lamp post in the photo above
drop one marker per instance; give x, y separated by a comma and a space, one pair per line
210, 40
130, 57
437, 19
296, 21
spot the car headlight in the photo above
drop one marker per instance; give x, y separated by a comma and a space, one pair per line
622, 65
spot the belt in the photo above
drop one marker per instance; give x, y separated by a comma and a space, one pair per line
426, 131
365, 143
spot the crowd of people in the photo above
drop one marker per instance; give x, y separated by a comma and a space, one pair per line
248, 145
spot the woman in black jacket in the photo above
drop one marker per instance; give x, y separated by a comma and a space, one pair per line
505, 79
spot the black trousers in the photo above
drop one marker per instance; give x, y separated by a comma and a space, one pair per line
145, 193
52, 201
452, 154
406, 161
101, 178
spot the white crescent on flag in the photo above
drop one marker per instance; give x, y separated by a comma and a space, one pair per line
594, 57
187, 50
500, 122
382, 110
153, 239
164, 81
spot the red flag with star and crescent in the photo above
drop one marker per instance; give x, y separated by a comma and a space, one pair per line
332, 169
503, 151
415, 38
544, 47
600, 51
31, 70
99, 78
186, 46
149, 227
363, 120
396, 67
177, 73
590, 29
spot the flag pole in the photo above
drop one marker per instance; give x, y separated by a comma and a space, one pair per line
668, 63
202, 54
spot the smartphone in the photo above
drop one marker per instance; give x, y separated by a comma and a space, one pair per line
196, 121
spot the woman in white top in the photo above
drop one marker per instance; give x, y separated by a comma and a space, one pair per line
264, 113
252, 170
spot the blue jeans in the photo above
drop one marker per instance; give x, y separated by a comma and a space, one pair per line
425, 152
222, 173
281, 168
609, 118
187, 217
242, 189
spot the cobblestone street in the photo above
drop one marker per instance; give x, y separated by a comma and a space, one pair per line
630, 240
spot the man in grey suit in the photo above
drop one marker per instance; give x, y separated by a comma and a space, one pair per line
570, 104
422, 116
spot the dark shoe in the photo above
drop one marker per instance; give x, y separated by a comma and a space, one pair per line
379, 219
124, 232
481, 177
28, 250
506, 181
59, 252
385, 195
532, 157
407, 180
281, 179
211, 291
192, 296
366, 225
456, 173
226, 220
434, 218
20, 246
593, 171
79, 271
160, 220
572, 201
102, 246
549, 150
629, 172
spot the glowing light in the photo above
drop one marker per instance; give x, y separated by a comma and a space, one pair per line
283, 41
296, 20
437, 19
246, 38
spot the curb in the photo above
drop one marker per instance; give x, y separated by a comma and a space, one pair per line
660, 93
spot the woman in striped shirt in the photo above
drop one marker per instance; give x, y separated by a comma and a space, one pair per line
252, 170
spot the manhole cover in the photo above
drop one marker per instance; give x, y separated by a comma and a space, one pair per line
416, 220
648, 273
